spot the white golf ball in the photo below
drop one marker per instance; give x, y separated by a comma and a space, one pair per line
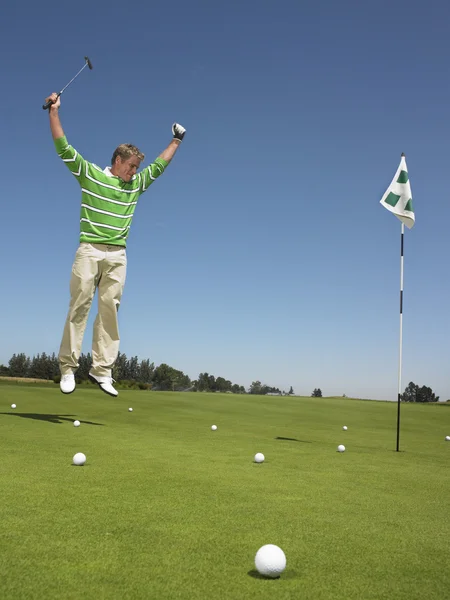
13, 406
130, 409
270, 560
259, 457
79, 459
447, 437
341, 448
214, 427
76, 423
345, 428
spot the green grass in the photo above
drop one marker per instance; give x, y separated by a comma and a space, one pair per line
166, 508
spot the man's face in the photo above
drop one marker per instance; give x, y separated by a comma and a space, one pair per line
125, 169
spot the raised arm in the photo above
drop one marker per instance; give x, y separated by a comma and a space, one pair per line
178, 135
154, 170
55, 123
72, 159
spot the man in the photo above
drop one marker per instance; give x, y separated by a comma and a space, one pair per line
108, 201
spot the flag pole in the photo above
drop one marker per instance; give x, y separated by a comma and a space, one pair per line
401, 336
398, 200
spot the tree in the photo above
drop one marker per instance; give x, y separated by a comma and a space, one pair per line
261, 389
223, 385
410, 393
146, 371
168, 378
4, 371
414, 393
317, 393
181, 381
267, 389
426, 394
133, 369
19, 365
85, 362
35, 369
53, 366
209, 383
291, 391
162, 377
202, 384
212, 383
255, 388
43, 366
120, 369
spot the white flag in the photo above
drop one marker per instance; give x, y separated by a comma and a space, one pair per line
398, 197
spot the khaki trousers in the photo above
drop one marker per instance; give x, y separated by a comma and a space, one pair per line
103, 267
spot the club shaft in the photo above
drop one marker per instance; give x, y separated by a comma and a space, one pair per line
73, 78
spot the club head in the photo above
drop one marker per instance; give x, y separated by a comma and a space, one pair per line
89, 64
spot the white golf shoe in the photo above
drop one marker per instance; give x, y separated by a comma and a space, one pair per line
67, 383
105, 384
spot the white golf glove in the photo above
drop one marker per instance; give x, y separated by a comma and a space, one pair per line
178, 131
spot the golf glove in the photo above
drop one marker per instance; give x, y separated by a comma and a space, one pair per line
178, 131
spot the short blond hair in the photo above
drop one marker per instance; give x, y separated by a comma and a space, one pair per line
126, 151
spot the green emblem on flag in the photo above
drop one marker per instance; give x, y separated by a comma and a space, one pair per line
403, 177
392, 199
398, 197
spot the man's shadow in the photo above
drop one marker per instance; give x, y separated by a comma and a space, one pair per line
58, 419
293, 440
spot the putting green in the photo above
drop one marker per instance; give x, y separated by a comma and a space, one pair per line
166, 508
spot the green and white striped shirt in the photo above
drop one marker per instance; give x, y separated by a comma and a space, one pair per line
107, 202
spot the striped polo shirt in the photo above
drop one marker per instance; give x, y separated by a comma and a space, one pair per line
107, 202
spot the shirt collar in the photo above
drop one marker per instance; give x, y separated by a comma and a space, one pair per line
107, 171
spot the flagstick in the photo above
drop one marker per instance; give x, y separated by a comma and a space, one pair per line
398, 200
401, 338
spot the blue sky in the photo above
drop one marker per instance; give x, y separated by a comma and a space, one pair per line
263, 252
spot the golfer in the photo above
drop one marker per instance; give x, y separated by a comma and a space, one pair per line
108, 201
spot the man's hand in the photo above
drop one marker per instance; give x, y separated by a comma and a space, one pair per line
178, 132
55, 99
53, 113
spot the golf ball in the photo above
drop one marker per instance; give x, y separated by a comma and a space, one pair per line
79, 459
345, 428
76, 423
270, 560
447, 437
341, 448
213, 427
259, 457
130, 409
13, 406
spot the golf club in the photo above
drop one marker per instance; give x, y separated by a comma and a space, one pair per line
87, 64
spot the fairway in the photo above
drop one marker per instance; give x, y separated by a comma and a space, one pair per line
165, 508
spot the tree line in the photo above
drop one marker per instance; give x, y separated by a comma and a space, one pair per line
130, 371
145, 375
